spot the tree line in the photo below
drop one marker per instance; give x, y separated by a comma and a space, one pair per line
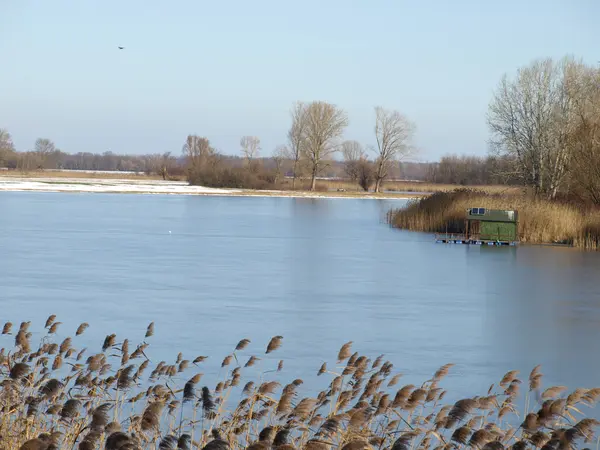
471, 171
46, 156
314, 138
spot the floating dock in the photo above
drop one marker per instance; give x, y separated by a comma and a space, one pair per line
454, 239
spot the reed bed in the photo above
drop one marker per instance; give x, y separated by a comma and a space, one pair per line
59, 396
415, 187
540, 221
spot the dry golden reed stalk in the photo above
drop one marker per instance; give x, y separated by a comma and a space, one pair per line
103, 402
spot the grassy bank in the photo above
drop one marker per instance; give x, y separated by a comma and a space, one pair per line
285, 184
119, 186
56, 394
540, 221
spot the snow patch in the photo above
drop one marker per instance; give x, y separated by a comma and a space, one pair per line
48, 184
107, 186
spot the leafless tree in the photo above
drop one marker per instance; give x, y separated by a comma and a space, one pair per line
352, 150
325, 124
152, 164
250, 147
167, 162
197, 151
6, 145
44, 148
585, 138
296, 138
279, 156
353, 153
394, 133
531, 121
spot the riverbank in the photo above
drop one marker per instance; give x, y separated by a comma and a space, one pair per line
150, 186
409, 187
115, 394
540, 221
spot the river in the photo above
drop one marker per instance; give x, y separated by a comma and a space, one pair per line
210, 271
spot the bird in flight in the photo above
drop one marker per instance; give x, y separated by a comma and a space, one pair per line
121, 48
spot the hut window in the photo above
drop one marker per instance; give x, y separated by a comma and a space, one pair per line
481, 211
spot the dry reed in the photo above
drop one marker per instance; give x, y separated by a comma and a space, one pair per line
101, 402
410, 187
540, 221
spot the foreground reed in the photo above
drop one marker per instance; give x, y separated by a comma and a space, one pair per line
540, 221
54, 396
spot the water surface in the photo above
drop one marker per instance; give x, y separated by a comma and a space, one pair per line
212, 270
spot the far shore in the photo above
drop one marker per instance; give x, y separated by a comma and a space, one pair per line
49, 183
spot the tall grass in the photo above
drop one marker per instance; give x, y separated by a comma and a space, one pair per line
58, 395
540, 221
416, 187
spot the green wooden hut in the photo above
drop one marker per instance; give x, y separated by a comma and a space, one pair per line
492, 225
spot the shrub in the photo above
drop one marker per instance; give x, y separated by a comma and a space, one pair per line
234, 178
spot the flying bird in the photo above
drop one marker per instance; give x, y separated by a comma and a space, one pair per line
121, 48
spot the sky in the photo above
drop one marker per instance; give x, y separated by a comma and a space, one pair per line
233, 68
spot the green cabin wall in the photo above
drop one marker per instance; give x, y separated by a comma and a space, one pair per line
501, 231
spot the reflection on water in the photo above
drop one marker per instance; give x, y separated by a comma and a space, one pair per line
320, 272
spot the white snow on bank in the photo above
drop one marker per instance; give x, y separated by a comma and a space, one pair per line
149, 187
106, 186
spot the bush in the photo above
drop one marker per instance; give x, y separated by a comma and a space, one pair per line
366, 174
233, 178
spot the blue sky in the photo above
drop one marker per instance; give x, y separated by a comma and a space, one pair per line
232, 68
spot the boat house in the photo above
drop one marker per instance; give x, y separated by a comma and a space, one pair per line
486, 227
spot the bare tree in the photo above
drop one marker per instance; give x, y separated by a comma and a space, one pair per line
586, 162
250, 147
167, 162
353, 153
531, 118
279, 156
352, 150
44, 148
198, 152
394, 133
585, 138
325, 124
296, 138
6, 145
151, 164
